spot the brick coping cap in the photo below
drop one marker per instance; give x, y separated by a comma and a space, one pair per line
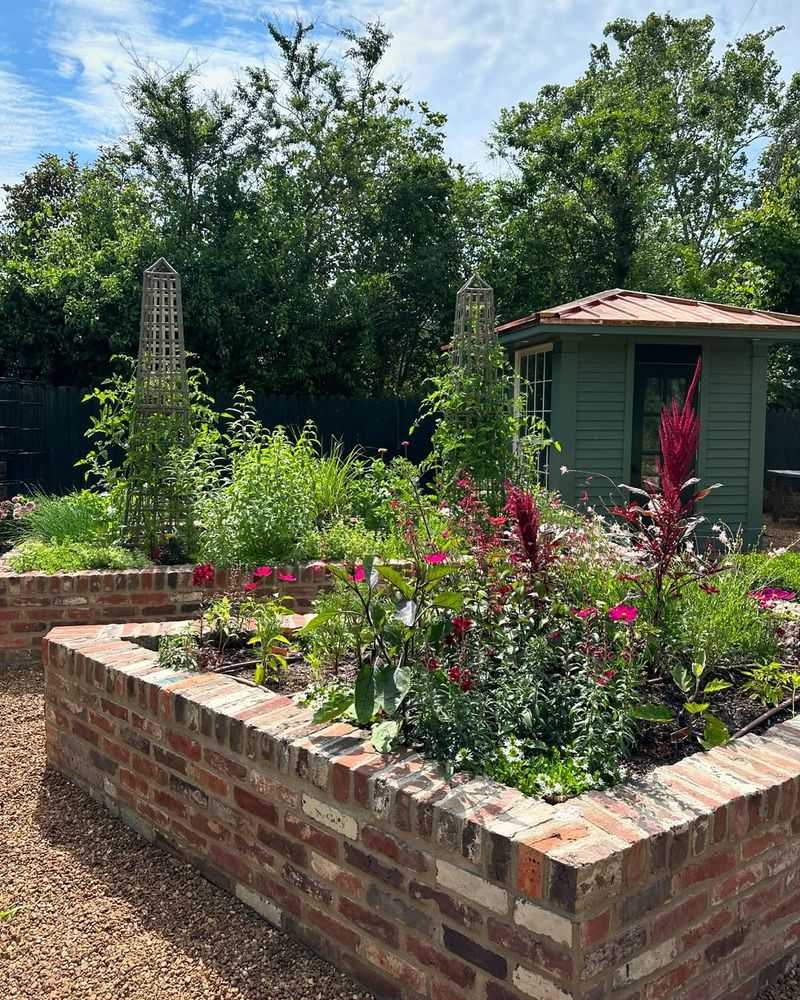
589, 830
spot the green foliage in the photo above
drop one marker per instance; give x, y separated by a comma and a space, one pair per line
771, 683
553, 775
71, 556
265, 508
725, 625
178, 652
343, 539
266, 619
336, 636
80, 516
772, 569
162, 459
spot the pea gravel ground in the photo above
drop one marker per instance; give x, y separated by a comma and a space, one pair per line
107, 916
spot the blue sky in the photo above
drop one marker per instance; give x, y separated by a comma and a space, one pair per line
64, 63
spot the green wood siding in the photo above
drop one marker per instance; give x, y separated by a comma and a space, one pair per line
600, 427
727, 413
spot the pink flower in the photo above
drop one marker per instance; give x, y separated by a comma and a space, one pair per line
204, 573
435, 557
766, 596
286, 577
405, 444
586, 614
623, 613
359, 576
262, 572
249, 587
605, 677
584, 497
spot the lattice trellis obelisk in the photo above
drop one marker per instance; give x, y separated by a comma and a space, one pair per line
154, 506
473, 330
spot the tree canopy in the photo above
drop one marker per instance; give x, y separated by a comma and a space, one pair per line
321, 230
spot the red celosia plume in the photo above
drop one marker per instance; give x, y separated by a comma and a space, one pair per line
679, 435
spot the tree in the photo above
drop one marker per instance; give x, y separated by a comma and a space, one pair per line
646, 154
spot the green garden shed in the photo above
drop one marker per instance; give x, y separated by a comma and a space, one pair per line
599, 370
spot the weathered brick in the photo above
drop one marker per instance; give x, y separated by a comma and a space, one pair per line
468, 949
614, 953
306, 884
169, 759
471, 886
397, 909
288, 848
432, 957
554, 959
224, 765
407, 857
369, 864
395, 967
454, 909
369, 921
209, 781
533, 985
712, 867
335, 930
331, 872
254, 805
327, 815
326, 843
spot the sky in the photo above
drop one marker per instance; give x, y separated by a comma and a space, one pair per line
64, 63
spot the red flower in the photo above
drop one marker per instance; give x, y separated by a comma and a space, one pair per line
554, 635
250, 587
586, 614
709, 588
286, 577
435, 557
359, 575
623, 613
454, 675
262, 572
204, 573
432, 664
466, 681
461, 626
605, 677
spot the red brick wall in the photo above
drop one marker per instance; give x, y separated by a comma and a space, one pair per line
684, 885
33, 603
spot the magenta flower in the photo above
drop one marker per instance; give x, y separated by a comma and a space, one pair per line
204, 573
359, 576
623, 613
435, 557
585, 614
286, 577
249, 587
262, 572
766, 596
605, 677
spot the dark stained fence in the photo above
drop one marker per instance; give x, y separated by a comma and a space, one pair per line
59, 442
22, 434
782, 445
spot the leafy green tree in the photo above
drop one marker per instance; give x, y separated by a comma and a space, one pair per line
644, 159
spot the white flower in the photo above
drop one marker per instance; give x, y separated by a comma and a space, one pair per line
564, 470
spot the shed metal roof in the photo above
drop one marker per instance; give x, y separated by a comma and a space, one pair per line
621, 307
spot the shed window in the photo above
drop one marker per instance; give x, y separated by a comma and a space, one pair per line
533, 381
662, 372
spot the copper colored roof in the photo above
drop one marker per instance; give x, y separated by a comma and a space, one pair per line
620, 307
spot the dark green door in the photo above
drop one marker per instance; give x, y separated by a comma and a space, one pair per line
661, 373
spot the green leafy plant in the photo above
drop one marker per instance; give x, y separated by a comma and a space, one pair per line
79, 516
695, 711
70, 557
772, 683
266, 619
335, 636
179, 652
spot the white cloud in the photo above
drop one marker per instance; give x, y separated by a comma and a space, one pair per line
468, 58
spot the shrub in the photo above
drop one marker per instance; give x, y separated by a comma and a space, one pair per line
342, 540
71, 556
266, 508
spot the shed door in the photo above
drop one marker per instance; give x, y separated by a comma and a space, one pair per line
662, 372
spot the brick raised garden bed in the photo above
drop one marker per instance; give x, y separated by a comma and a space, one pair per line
33, 603
683, 885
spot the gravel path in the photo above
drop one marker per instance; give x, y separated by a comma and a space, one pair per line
105, 915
